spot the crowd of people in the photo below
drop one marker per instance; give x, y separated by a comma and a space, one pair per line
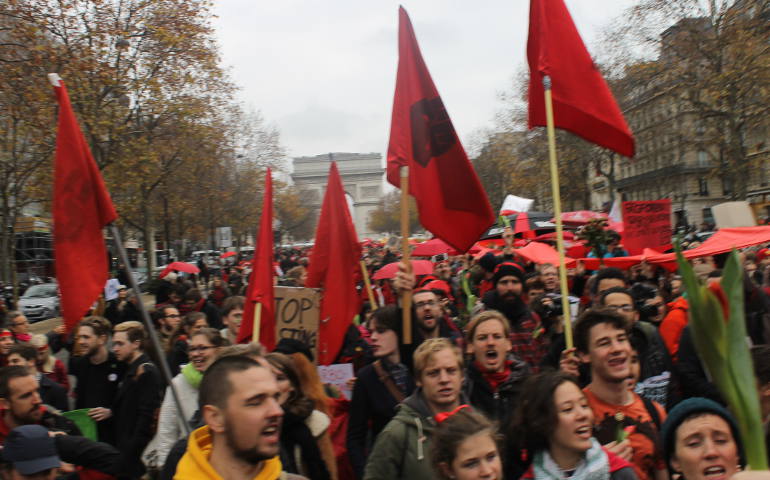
487, 387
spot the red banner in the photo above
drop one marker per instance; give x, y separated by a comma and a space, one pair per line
647, 225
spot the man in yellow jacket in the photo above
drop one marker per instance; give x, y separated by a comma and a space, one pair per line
238, 399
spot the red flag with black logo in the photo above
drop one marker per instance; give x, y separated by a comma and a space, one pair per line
81, 209
261, 288
582, 102
450, 199
333, 266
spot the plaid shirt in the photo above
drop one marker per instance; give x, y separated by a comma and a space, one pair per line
526, 345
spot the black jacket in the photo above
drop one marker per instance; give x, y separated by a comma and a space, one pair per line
496, 405
53, 394
87, 453
134, 410
371, 409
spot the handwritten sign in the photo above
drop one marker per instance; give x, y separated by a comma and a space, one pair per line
647, 225
338, 375
296, 315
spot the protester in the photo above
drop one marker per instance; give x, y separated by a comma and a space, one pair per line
605, 279
47, 364
19, 326
379, 386
97, 373
204, 346
759, 356
232, 316
30, 453
218, 292
302, 425
123, 308
465, 447
506, 298
51, 393
430, 319
551, 435
602, 342
493, 377
241, 439
194, 302
6, 342
401, 449
20, 404
701, 440
168, 318
178, 342
137, 399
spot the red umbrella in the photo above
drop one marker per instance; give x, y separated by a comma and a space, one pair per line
432, 247
420, 267
521, 222
552, 236
179, 267
227, 254
581, 217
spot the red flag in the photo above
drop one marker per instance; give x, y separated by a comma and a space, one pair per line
333, 266
260, 288
450, 199
582, 101
81, 208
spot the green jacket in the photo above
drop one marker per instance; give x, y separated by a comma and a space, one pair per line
402, 448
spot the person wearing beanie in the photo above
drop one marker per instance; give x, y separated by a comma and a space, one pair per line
506, 297
487, 262
701, 439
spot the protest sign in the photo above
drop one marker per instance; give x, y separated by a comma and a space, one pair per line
647, 225
111, 289
338, 375
734, 214
296, 315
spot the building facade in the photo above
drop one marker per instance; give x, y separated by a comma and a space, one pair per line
361, 174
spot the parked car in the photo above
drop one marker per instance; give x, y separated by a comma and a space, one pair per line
40, 302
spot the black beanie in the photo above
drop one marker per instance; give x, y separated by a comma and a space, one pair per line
287, 346
507, 269
687, 408
488, 261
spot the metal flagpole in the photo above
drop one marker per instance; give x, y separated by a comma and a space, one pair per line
165, 371
557, 211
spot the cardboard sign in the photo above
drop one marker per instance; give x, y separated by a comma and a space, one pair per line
296, 315
647, 225
734, 214
338, 375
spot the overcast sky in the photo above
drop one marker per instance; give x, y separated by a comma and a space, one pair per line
323, 71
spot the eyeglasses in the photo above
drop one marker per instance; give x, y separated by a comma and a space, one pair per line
625, 308
18, 324
175, 315
429, 303
199, 349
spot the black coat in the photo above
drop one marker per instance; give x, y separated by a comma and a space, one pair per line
496, 405
135, 410
87, 453
372, 402
53, 394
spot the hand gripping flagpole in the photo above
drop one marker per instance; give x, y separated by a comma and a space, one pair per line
406, 296
557, 211
165, 371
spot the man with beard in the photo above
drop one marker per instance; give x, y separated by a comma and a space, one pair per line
20, 404
238, 398
430, 319
602, 342
493, 377
6, 342
98, 373
506, 298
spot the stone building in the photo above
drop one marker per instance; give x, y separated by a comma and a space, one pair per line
361, 173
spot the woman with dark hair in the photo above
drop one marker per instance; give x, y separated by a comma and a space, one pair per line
465, 447
302, 424
551, 435
701, 441
178, 342
379, 386
203, 348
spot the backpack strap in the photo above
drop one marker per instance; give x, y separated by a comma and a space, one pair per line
652, 410
387, 380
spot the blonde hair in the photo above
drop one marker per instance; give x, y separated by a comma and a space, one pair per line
134, 331
486, 316
430, 347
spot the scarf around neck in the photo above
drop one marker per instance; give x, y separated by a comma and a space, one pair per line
593, 466
192, 375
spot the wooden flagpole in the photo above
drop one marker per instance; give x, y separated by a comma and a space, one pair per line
368, 286
257, 322
406, 297
557, 211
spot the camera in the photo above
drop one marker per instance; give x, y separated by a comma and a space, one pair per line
553, 309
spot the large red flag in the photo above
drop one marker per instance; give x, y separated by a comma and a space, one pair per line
81, 208
582, 101
333, 266
450, 199
260, 288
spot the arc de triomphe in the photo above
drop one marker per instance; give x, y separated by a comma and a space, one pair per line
361, 176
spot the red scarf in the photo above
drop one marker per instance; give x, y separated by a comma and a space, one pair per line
495, 379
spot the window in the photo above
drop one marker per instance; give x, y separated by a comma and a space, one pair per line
727, 186
703, 187
703, 158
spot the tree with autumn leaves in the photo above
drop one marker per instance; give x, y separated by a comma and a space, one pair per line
180, 156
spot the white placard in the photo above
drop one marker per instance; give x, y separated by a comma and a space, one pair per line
111, 289
338, 375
